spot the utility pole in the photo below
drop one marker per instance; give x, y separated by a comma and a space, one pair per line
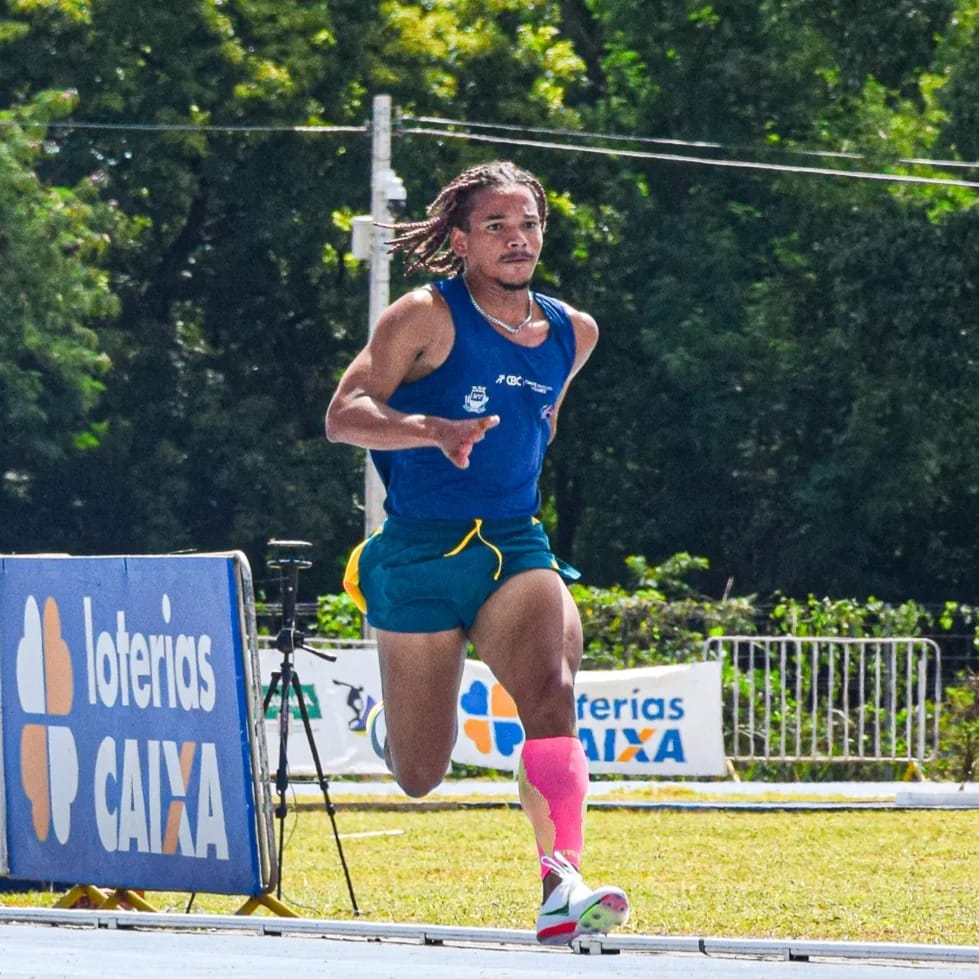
388, 200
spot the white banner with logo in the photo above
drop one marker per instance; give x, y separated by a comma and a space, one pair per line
338, 696
658, 720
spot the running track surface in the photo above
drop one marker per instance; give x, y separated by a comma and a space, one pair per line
42, 944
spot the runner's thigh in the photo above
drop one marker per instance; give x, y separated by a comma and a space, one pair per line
529, 634
420, 678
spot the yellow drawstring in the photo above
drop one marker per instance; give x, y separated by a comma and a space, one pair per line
477, 531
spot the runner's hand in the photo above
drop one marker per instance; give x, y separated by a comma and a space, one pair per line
460, 436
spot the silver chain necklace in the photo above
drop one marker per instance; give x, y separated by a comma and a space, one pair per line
512, 330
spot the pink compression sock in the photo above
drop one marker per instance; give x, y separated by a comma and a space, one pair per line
553, 784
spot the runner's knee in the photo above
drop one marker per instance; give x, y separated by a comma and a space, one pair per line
418, 777
419, 764
546, 706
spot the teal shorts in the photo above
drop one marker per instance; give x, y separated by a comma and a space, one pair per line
433, 575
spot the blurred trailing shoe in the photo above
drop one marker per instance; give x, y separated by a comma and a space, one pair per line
377, 730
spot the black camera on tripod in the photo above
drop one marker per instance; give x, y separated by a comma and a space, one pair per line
288, 561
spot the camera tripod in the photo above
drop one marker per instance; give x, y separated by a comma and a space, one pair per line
285, 681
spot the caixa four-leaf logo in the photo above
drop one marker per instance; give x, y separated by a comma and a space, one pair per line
46, 688
491, 719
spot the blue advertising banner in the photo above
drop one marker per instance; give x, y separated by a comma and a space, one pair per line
128, 754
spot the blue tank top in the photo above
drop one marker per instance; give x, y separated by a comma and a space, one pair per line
484, 374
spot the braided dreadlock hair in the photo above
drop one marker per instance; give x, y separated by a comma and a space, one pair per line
425, 244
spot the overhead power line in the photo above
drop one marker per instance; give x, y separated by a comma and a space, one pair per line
571, 141
188, 127
697, 160
779, 148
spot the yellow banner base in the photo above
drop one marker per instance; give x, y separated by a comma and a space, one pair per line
273, 904
89, 896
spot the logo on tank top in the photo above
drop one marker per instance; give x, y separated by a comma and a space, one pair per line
476, 401
516, 381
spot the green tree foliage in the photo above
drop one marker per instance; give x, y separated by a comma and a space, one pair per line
238, 300
957, 68
54, 293
786, 373
960, 729
795, 353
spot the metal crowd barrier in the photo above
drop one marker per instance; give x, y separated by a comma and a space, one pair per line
829, 698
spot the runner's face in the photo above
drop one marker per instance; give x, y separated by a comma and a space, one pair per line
504, 239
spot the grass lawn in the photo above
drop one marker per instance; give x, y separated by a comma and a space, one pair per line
894, 876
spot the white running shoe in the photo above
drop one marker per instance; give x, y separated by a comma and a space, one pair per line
377, 729
574, 909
